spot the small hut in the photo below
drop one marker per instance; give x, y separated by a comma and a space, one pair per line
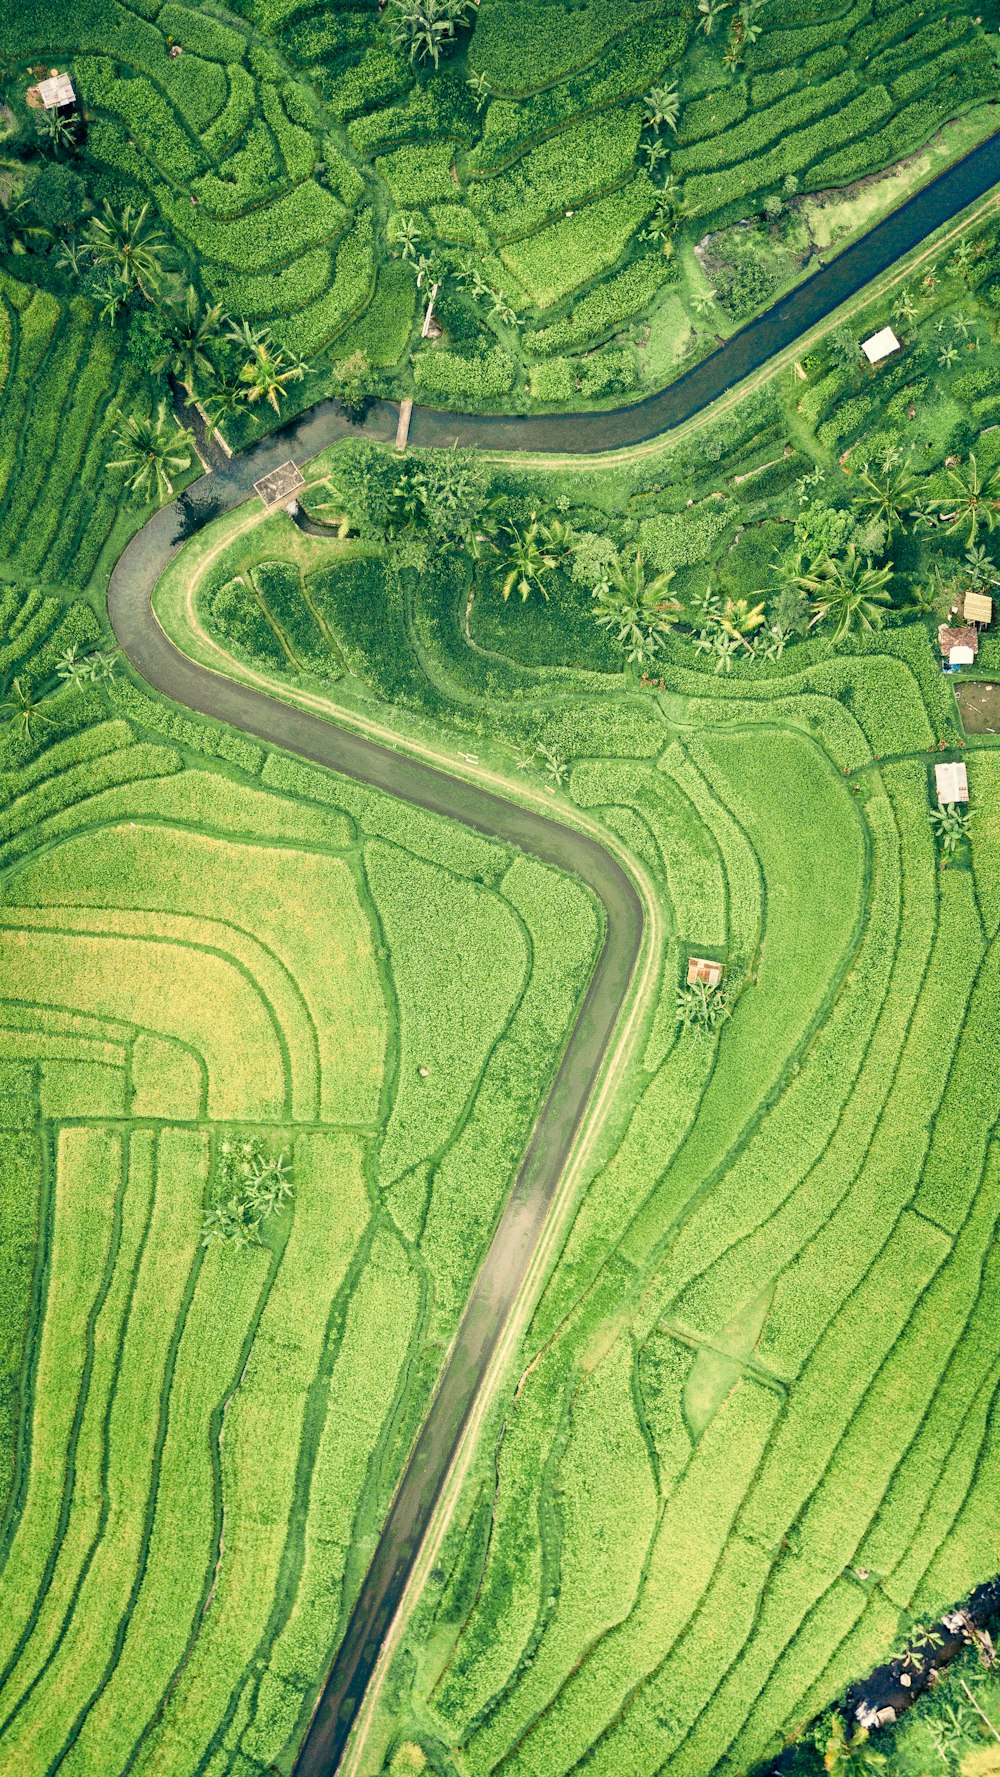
701, 968
978, 609
880, 346
951, 783
959, 644
56, 91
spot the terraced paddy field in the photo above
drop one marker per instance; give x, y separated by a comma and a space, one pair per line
316, 180
202, 959
748, 1446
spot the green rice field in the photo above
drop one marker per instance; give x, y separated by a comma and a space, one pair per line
197, 1442
749, 1439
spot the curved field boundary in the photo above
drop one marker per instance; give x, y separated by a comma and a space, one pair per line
521, 1241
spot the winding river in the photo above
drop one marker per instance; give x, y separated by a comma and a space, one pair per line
155, 659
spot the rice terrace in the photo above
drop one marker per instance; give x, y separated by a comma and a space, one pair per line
499, 888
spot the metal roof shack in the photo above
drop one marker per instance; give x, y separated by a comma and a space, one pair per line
880, 345
978, 608
959, 644
56, 92
952, 783
701, 968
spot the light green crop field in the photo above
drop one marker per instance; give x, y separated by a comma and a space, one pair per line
750, 1438
197, 1442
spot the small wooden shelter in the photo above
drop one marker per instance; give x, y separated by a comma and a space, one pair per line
701, 968
56, 91
279, 486
959, 643
951, 782
880, 345
978, 608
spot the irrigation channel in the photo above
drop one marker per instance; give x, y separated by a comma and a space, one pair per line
155, 658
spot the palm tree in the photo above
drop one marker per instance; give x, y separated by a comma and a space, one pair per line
21, 708
886, 491
190, 331
269, 372
975, 500
663, 106
848, 591
479, 87
58, 128
905, 307
151, 453
406, 236
947, 356
130, 244
529, 559
651, 153
425, 27
951, 823
639, 610
711, 12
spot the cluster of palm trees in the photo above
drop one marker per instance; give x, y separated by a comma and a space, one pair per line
124, 254
428, 28
254, 1185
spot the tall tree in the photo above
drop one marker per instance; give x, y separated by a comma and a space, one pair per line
152, 452
848, 592
130, 243
639, 611
974, 500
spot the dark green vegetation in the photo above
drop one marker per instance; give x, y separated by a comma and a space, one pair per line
753, 1437
598, 191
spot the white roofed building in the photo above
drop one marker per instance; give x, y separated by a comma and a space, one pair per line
880, 346
951, 783
56, 91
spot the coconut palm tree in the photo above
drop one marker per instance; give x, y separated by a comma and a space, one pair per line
886, 491
639, 611
190, 331
151, 452
21, 707
529, 558
847, 591
130, 243
974, 500
662, 106
269, 372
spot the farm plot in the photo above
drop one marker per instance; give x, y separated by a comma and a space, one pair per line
208, 967
585, 243
750, 1438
